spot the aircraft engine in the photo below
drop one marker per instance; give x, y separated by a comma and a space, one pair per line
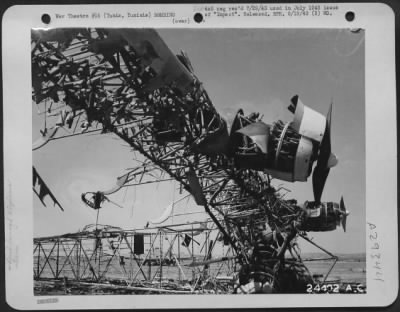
324, 216
292, 154
286, 151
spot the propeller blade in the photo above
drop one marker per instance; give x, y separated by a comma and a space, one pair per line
321, 170
319, 177
345, 213
325, 148
344, 222
341, 205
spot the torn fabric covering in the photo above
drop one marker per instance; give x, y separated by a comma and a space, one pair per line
99, 196
154, 51
259, 133
43, 190
186, 241
120, 182
165, 215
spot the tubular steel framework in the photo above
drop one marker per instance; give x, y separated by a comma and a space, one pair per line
101, 78
161, 259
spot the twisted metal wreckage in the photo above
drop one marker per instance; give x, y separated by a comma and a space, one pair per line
130, 83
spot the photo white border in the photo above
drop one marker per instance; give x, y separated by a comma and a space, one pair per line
381, 152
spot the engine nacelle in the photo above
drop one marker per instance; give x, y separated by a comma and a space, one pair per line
323, 217
286, 151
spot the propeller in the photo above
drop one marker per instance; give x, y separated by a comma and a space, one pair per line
344, 213
326, 160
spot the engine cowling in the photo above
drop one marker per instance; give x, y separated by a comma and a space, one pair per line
323, 217
286, 151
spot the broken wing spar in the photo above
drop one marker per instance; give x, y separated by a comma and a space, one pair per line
44, 139
41, 190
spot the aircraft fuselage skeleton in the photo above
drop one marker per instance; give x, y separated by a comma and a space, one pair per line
129, 81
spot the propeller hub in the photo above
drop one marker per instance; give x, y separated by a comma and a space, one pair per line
332, 161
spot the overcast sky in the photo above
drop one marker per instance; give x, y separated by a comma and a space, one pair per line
257, 70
